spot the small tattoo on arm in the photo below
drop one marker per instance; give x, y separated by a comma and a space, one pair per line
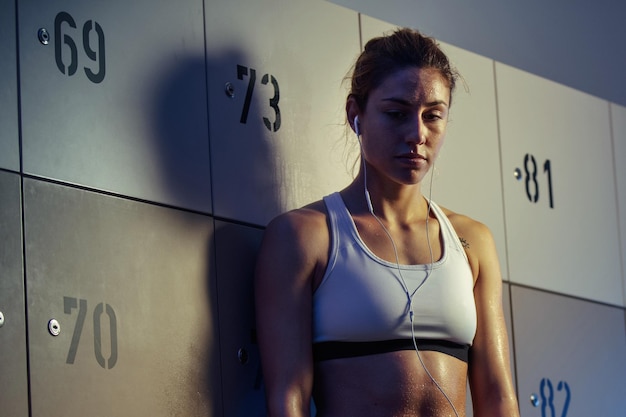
464, 243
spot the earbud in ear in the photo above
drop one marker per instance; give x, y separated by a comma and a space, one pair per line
357, 129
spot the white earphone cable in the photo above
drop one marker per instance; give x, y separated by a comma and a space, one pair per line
402, 281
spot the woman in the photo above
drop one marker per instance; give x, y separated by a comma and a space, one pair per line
375, 301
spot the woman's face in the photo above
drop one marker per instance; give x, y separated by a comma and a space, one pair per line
404, 123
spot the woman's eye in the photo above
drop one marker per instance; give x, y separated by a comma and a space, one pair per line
433, 116
398, 115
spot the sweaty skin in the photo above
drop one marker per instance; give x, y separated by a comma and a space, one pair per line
402, 128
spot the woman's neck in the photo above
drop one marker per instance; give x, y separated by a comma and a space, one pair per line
395, 202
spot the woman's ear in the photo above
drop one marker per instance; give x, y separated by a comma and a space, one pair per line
352, 113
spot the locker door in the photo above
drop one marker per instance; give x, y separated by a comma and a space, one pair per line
9, 145
116, 100
13, 377
467, 172
121, 307
236, 247
559, 188
570, 355
276, 103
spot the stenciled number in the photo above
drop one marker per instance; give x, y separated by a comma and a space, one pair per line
533, 197
242, 72
547, 169
61, 18
532, 184
62, 39
547, 398
273, 104
69, 304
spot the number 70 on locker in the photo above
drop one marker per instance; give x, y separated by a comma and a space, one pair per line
69, 305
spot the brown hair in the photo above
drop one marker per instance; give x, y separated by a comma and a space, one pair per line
403, 48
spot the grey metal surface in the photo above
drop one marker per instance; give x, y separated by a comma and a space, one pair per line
236, 249
570, 355
123, 109
565, 197
13, 368
9, 139
285, 60
545, 38
132, 288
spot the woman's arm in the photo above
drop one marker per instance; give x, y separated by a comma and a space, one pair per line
490, 379
287, 263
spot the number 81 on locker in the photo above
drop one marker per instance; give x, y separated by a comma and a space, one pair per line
529, 175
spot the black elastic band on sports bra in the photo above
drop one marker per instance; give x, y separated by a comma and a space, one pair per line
323, 351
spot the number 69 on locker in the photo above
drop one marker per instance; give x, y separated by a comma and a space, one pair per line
65, 41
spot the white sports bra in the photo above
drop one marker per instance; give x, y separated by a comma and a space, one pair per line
361, 307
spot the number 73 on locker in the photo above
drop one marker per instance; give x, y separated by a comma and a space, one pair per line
250, 73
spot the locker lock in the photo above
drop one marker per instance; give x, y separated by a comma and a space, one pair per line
44, 36
229, 89
243, 356
534, 400
1, 319
54, 327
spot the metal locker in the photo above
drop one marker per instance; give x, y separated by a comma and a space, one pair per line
570, 355
121, 306
9, 137
114, 97
14, 374
467, 176
276, 103
236, 247
559, 188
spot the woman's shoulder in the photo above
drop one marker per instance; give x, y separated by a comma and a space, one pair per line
466, 225
476, 239
297, 242
305, 227
305, 219
463, 222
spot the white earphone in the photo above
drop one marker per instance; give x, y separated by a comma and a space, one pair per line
409, 295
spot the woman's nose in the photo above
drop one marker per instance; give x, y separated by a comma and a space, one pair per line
417, 134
